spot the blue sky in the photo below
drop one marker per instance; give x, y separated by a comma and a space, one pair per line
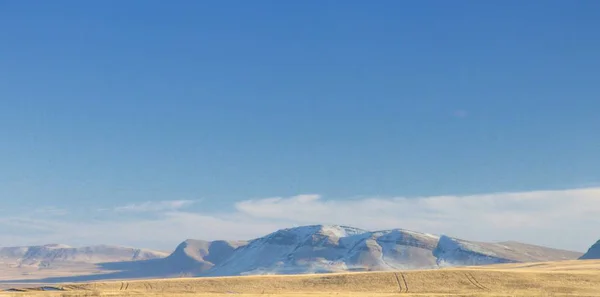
196, 107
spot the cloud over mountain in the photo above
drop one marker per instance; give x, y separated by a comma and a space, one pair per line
539, 217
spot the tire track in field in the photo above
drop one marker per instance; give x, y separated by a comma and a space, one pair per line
398, 282
399, 276
405, 283
474, 281
478, 283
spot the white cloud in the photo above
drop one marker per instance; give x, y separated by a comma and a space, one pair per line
564, 219
155, 206
567, 218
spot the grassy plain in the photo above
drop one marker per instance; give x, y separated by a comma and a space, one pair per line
568, 278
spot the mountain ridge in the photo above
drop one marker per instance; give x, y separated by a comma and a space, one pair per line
316, 249
335, 248
51, 254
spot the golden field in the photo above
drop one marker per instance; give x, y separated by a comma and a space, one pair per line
568, 278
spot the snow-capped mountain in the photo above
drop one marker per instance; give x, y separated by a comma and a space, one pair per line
593, 252
307, 249
313, 249
48, 255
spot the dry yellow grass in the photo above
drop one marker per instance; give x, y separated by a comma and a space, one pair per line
570, 278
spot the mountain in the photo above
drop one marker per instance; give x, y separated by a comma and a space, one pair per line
45, 256
197, 256
307, 249
191, 257
314, 249
593, 252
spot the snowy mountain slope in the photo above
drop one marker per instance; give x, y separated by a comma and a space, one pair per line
313, 249
457, 252
593, 252
522, 252
49, 255
402, 249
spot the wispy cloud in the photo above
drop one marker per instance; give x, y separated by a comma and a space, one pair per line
565, 219
51, 210
155, 206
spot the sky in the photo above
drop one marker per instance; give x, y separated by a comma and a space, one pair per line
148, 122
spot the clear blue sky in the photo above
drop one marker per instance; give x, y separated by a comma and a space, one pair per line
108, 103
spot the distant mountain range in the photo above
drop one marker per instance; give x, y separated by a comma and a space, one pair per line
308, 249
318, 249
53, 254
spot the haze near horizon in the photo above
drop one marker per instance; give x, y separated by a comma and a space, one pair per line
146, 123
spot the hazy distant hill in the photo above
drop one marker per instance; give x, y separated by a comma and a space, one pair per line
197, 256
52, 254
